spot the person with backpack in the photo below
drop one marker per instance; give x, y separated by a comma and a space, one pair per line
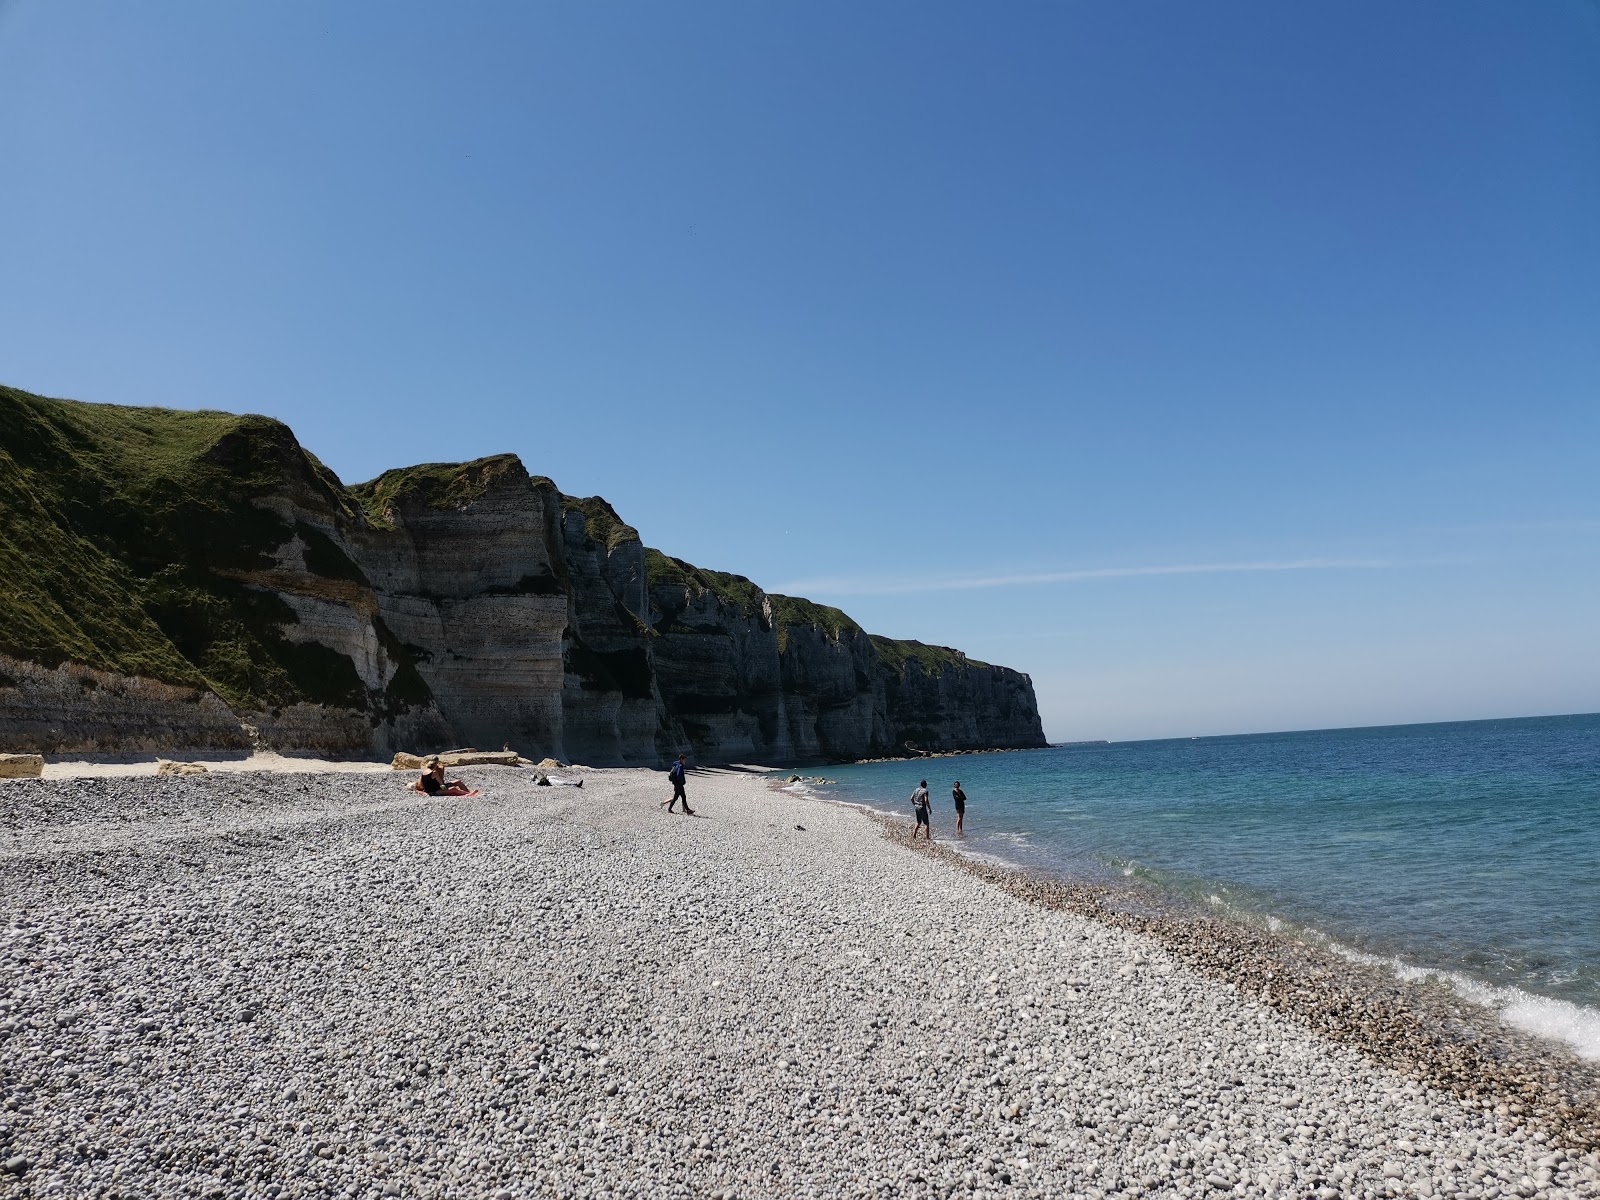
679, 773
924, 807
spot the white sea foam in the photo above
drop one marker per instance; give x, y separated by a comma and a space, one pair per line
1558, 1020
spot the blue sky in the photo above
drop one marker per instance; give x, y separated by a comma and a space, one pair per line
1226, 367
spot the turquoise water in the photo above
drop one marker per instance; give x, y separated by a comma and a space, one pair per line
1471, 848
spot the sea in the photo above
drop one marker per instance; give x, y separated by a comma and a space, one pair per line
1469, 851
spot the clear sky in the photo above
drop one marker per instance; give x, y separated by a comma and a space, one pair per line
1024, 328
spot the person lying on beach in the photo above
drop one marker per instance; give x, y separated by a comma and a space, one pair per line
433, 782
924, 807
552, 781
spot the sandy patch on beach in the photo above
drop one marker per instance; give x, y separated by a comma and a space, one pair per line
132, 768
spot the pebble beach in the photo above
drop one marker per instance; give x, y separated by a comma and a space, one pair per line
258, 984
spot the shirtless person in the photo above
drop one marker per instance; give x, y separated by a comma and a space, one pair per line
433, 782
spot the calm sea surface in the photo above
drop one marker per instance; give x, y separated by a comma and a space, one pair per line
1470, 848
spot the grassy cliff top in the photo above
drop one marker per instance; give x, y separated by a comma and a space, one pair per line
440, 486
932, 659
601, 522
733, 590
797, 610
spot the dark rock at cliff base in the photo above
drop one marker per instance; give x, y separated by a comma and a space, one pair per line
190, 582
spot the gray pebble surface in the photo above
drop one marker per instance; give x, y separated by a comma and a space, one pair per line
260, 985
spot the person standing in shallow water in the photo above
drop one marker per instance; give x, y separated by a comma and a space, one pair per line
679, 773
960, 798
920, 801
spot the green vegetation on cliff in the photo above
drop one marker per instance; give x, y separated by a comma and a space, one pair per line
932, 659
797, 610
662, 570
433, 485
600, 521
125, 532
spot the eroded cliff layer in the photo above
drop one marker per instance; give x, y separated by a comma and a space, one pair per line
198, 580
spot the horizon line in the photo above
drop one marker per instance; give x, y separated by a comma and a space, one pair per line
1200, 737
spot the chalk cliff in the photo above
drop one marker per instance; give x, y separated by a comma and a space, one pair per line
178, 580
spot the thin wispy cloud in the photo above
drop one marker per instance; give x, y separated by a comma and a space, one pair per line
865, 586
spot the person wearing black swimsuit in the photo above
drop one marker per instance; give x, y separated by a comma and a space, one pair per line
433, 782
960, 798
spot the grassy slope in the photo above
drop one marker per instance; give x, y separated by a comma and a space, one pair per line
116, 522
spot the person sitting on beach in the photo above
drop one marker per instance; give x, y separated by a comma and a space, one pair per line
960, 799
433, 782
924, 807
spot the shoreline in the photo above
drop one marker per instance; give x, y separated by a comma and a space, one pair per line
333, 984
1420, 1026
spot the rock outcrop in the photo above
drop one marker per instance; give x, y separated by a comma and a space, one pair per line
189, 582
21, 766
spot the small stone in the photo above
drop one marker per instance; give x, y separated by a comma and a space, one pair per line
17, 1165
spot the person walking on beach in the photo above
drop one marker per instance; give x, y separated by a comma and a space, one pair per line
678, 774
960, 799
920, 802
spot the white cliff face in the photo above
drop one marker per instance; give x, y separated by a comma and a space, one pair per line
835, 700
612, 710
717, 667
473, 595
470, 604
